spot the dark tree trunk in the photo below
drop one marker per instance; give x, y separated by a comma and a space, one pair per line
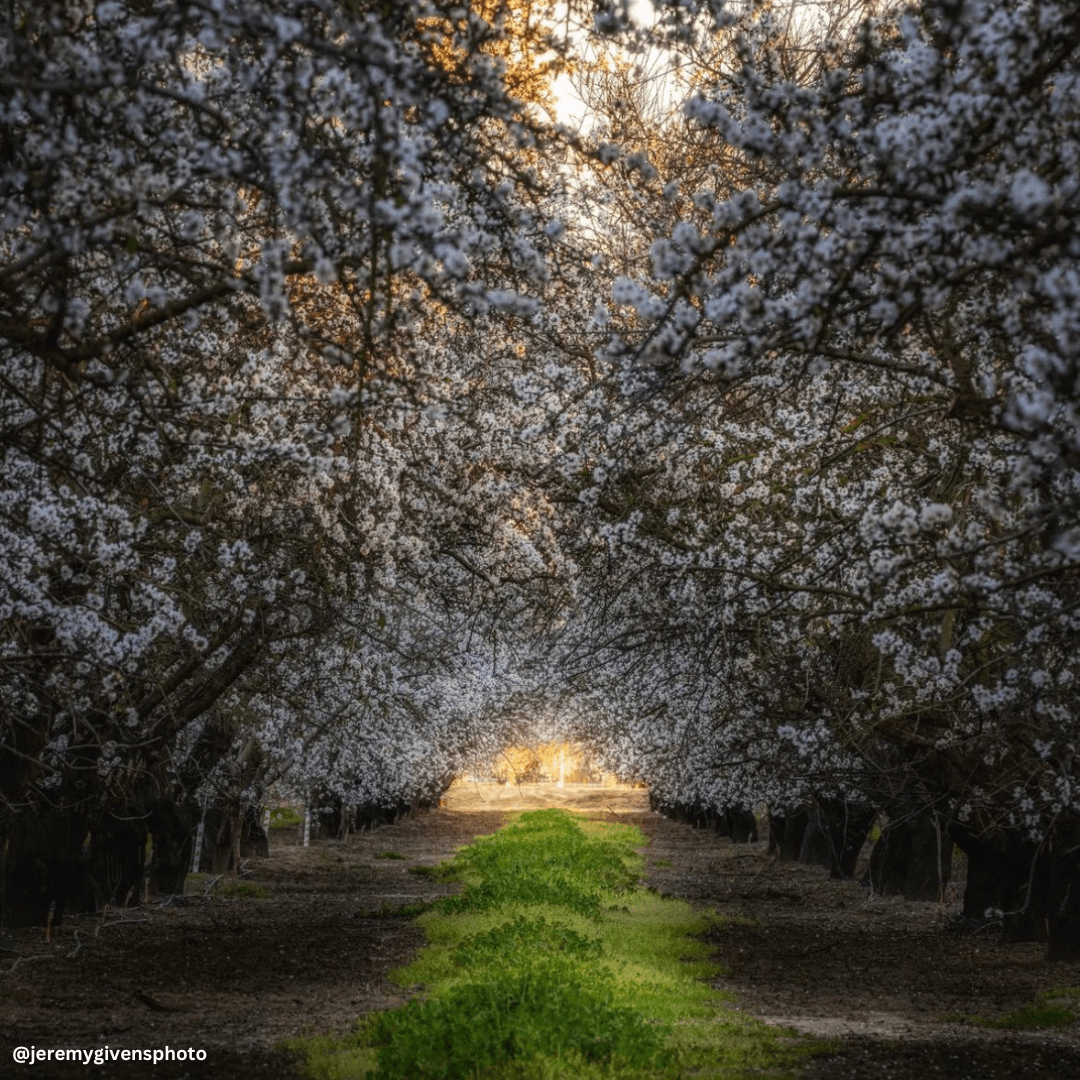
220, 840
816, 846
740, 824
173, 831
118, 854
913, 856
44, 867
846, 825
735, 821
328, 816
253, 838
1036, 886
930, 863
787, 832
368, 816
888, 863
984, 893
1006, 874
1026, 896
227, 834
774, 826
1063, 909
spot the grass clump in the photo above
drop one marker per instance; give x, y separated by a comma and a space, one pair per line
552, 965
544, 858
235, 890
1050, 1009
285, 817
524, 941
506, 1021
389, 855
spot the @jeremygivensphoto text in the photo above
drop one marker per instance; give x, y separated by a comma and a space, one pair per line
99, 1055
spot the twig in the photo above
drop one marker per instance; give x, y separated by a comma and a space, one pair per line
156, 1003
27, 959
102, 922
78, 945
816, 949
211, 884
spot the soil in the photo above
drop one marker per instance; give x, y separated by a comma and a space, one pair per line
236, 976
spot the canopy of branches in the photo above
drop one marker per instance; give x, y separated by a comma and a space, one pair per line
359, 420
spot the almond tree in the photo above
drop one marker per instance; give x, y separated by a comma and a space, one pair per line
220, 226
865, 358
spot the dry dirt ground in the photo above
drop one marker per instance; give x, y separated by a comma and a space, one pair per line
236, 976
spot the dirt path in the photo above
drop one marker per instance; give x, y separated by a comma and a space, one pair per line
236, 976
880, 975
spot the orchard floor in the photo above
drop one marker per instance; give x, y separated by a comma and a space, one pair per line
236, 976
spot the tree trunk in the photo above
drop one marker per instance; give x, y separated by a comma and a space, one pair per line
118, 854
253, 838
913, 856
888, 863
816, 846
1006, 874
984, 892
172, 828
930, 862
220, 839
786, 834
846, 825
1026, 894
1063, 911
44, 867
740, 825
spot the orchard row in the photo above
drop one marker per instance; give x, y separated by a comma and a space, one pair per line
360, 420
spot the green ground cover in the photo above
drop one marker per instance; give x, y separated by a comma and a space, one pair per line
242, 890
1050, 1009
553, 964
285, 817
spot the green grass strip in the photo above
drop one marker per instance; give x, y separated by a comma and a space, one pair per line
553, 965
1050, 1009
